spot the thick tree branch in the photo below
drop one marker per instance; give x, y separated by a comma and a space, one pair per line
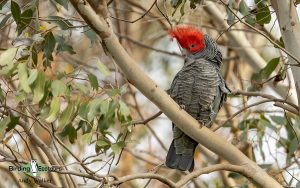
159, 97
239, 39
290, 30
161, 178
261, 33
207, 170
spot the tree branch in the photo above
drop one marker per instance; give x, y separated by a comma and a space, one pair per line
290, 30
207, 170
263, 95
148, 119
239, 39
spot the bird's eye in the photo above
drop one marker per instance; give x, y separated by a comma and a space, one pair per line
192, 46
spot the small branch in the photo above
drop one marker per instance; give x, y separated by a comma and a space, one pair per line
240, 111
141, 158
207, 170
263, 95
286, 107
141, 17
149, 47
148, 119
161, 178
185, 179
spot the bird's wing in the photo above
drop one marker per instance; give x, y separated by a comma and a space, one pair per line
196, 87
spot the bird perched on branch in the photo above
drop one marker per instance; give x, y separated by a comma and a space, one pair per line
198, 88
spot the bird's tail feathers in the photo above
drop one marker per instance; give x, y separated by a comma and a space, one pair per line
179, 161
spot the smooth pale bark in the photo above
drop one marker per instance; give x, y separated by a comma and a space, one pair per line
183, 120
239, 39
290, 32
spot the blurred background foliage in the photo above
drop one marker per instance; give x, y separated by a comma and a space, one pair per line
58, 79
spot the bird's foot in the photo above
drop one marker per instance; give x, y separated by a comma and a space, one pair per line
182, 106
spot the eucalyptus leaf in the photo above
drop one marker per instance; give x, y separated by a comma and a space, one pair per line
66, 115
54, 110
16, 11
33, 73
102, 68
23, 77
63, 23
49, 44
39, 85
94, 81
7, 57
58, 88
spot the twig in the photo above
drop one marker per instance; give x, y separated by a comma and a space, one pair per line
217, 167
148, 119
141, 17
161, 178
240, 111
141, 158
267, 96
286, 107
149, 47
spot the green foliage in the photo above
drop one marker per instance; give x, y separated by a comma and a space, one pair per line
89, 33
48, 47
39, 86
275, 123
16, 11
55, 100
231, 17
263, 15
245, 10
280, 43
181, 3
258, 79
64, 24
94, 81
77, 108
102, 68
23, 76
7, 59
22, 19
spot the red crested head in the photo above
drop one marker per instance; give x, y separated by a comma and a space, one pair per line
189, 38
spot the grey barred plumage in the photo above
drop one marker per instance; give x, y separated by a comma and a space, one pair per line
200, 88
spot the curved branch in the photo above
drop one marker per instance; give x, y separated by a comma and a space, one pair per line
290, 31
240, 111
182, 119
148, 119
264, 95
207, 170
158, 177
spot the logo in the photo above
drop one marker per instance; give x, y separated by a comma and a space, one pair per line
34, 169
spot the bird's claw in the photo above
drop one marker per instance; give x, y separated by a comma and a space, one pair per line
182, 106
